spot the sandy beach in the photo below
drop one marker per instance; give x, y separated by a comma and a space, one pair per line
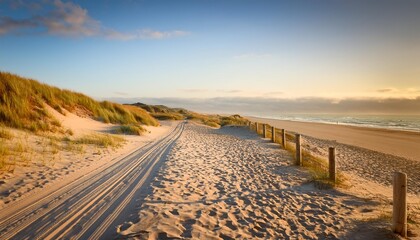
398, 143
215, 183
230, 184
363, 152
200, 183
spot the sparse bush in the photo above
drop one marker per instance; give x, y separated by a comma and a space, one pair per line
211, 124
66, 139
56, 123
129, 130
69, 132
101, 140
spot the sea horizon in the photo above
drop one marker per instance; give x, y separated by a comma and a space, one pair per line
410, 123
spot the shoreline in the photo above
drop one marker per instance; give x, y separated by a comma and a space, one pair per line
395, 142
338, 123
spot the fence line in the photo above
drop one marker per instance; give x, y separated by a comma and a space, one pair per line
399, 213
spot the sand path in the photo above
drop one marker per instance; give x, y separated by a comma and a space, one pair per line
229, 184
91, 205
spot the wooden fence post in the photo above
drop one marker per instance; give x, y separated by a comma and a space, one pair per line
332, 168
399, 213
298, 150
256, 127
264, 130
273, 134
283, 138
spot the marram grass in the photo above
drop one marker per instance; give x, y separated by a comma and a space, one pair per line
101, 140
22, 106
129, 130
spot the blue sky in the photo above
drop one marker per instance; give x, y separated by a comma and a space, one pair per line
207, 49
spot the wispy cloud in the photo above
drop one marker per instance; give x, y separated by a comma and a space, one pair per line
412, 92
386, 90
71, 20
8, 24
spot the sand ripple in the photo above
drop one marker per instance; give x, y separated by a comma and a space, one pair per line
229, 184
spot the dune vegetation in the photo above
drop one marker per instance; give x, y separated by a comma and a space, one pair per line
162, 112
101, 140
23, 100
25, 104
317, 166
129, 130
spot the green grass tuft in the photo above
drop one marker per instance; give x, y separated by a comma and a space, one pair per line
129, 130
101, 140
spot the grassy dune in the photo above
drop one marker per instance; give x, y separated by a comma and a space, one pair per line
166, 113
22, 106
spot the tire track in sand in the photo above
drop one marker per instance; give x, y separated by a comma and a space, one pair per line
89, 205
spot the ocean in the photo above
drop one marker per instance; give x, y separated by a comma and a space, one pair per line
396, 122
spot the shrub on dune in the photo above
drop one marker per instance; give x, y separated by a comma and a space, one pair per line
129, 130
